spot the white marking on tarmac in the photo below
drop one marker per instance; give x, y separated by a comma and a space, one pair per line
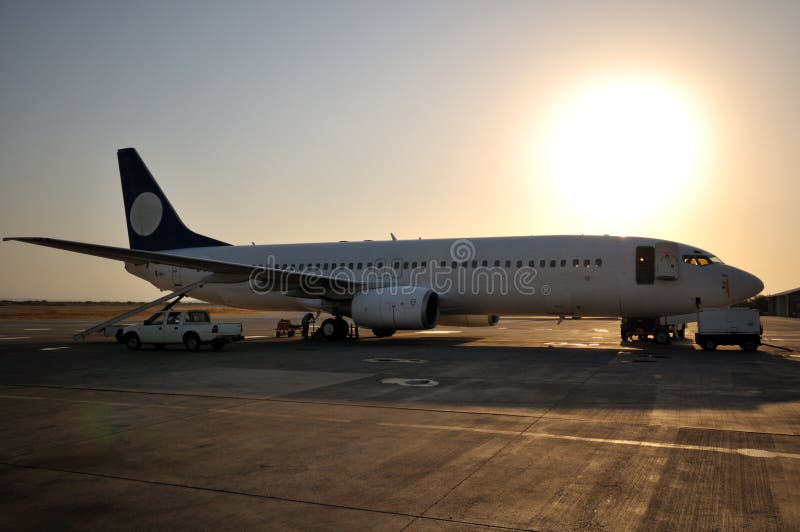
397, 360
418, 383
437, 332
755, 453
37, 329
254, 336
53, 348
572, 344
599, 330
15, 338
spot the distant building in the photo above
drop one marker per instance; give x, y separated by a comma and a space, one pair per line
785, 304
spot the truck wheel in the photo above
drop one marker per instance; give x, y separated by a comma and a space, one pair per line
749, 346
681, 333
290, 333
218, 345
709, 345
192, 342
132, 341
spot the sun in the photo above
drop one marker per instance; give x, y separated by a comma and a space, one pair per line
616, 151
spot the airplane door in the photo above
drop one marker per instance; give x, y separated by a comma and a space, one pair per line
176, 276
666, 261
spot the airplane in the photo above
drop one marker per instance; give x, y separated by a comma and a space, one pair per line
394, 285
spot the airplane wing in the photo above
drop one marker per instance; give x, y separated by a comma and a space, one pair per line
296, 283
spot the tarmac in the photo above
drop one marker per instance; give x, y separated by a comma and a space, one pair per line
530, 425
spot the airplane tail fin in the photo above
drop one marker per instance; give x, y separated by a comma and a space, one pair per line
153, 224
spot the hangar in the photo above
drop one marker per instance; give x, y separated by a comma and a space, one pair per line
785, 303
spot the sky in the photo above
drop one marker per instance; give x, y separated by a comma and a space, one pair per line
324, 121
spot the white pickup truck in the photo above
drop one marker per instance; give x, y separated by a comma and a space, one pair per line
193, 328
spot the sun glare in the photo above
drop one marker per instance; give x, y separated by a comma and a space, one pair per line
615, 150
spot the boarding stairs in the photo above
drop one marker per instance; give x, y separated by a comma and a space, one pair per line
178, 294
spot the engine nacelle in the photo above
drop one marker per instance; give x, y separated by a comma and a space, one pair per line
396, 308
470, 320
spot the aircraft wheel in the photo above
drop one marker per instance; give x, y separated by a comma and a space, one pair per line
328, 329
709, 345
342, 329
383, 333
661, 336
132, 341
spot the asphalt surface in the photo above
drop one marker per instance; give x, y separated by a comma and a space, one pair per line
531, 425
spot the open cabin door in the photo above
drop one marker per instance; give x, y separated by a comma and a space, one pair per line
666, 261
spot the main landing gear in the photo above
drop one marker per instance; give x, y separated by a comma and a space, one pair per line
641, 328
334, 329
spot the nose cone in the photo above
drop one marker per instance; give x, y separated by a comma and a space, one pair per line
744, 285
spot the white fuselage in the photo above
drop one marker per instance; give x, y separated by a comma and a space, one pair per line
557, 275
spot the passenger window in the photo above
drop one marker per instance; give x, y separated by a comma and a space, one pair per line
553, 263
485, 263
519, 264
598, 262
563, 263
174, 318
497, 263
542, 263
405, 265
359, 265
575, 263
380, 265
413, 264
369, 265
474, 263
350, 265
396, 265
423, 264
531, 263
508, 263
454, 265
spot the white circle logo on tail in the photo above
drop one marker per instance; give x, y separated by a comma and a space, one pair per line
146, 213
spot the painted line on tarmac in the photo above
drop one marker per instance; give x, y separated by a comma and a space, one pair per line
37, 329
15, 338
54, 348
754, 453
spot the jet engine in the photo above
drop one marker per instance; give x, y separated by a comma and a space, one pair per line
396, 308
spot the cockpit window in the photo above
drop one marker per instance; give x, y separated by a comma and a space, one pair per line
701, 260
